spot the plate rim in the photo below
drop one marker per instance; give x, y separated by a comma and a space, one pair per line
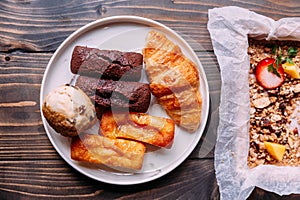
150, 23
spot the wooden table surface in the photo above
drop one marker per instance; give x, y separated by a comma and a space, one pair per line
31, 31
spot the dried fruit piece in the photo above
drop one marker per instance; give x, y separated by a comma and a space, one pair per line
291, 70
275, 150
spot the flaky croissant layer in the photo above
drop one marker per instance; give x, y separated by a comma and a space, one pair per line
174, 80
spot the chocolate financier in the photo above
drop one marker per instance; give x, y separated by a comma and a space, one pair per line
133, 96
107, 64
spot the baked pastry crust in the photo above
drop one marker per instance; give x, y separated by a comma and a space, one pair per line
141, 127
174, 80
119, 153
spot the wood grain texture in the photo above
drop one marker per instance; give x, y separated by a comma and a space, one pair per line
30, 32
37, 25
55, 179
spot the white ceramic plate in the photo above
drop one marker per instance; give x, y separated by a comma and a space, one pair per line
124, 33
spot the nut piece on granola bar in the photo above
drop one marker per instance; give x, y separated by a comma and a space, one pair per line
275, 150
261, 102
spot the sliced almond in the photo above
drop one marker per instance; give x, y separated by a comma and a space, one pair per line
261, 102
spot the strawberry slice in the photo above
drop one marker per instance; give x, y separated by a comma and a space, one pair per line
268, 75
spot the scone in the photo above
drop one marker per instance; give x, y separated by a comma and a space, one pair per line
68, 110
174, 80
116, 153
141, 127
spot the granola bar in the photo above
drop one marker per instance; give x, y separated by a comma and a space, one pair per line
274, 113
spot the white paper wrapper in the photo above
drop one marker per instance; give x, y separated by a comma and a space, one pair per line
229, 28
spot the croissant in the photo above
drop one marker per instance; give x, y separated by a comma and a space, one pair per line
174, 80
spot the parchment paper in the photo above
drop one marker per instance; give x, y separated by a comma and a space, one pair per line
229, 28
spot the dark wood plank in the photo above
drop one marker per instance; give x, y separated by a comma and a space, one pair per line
45, 179
42, 26
21, 129
193, 179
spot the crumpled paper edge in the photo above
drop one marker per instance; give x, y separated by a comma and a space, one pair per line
229, 28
